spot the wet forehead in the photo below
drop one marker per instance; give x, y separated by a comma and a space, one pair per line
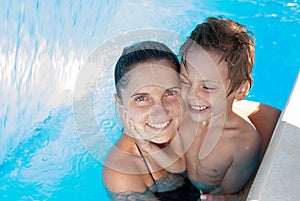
205, 65
151, 74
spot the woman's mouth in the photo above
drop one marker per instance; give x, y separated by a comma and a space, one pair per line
159, 126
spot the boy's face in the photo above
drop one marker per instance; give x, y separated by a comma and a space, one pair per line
204, 84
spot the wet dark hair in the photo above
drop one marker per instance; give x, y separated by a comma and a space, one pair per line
229, 39
141, 52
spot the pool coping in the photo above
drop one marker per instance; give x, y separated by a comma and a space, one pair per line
278, 175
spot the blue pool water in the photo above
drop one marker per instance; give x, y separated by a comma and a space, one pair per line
44, 45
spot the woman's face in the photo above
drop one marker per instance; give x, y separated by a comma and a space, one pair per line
152, 100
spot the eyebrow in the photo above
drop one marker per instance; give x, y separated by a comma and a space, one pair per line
205, 81
139, 94
185, 64
144, 94
181, 75
173, 88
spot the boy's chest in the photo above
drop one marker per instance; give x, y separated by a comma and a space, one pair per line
214, 165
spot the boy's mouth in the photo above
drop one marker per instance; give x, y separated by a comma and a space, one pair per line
198, 108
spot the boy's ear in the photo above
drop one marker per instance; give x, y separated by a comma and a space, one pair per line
242, 91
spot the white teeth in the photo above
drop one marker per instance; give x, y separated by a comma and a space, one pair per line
194, 107
162, 125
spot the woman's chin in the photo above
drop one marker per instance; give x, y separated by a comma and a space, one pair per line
161, 141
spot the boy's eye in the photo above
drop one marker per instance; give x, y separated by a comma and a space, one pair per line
209, 88
185, 82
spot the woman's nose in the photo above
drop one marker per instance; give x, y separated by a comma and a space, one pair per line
158, 113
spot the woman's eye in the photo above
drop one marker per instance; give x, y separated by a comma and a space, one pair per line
171, 92
140, 98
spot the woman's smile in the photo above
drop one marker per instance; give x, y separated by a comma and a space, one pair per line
159, 126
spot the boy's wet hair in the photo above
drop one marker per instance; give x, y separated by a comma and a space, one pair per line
138, 53
229, 39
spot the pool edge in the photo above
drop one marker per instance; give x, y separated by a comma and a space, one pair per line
277, 177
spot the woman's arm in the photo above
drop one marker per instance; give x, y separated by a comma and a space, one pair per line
264, 118
131, 196
123, 186
170, 157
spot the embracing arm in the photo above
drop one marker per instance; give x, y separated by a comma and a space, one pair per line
170, 158
243, 165
127, 187
264, 118
239, 173
131, 196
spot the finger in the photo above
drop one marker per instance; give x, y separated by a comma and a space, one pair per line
129, 124
132, 129
203, 197
210, 197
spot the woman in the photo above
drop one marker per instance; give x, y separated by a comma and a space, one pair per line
147, 160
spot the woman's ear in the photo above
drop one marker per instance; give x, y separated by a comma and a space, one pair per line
122, 110
119, 102
242, 91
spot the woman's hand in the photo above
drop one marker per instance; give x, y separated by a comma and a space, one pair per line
169, 157
228, 197
138, 134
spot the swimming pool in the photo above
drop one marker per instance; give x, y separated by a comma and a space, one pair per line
45, 44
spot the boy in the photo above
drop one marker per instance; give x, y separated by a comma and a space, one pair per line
223, 149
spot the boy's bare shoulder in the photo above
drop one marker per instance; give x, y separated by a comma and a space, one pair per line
244, 135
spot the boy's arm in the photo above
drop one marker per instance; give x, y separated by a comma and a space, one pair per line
243, 166
239, 196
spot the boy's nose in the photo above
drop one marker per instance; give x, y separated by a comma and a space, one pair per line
194, 94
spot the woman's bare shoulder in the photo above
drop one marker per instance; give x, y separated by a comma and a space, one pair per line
118, 181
